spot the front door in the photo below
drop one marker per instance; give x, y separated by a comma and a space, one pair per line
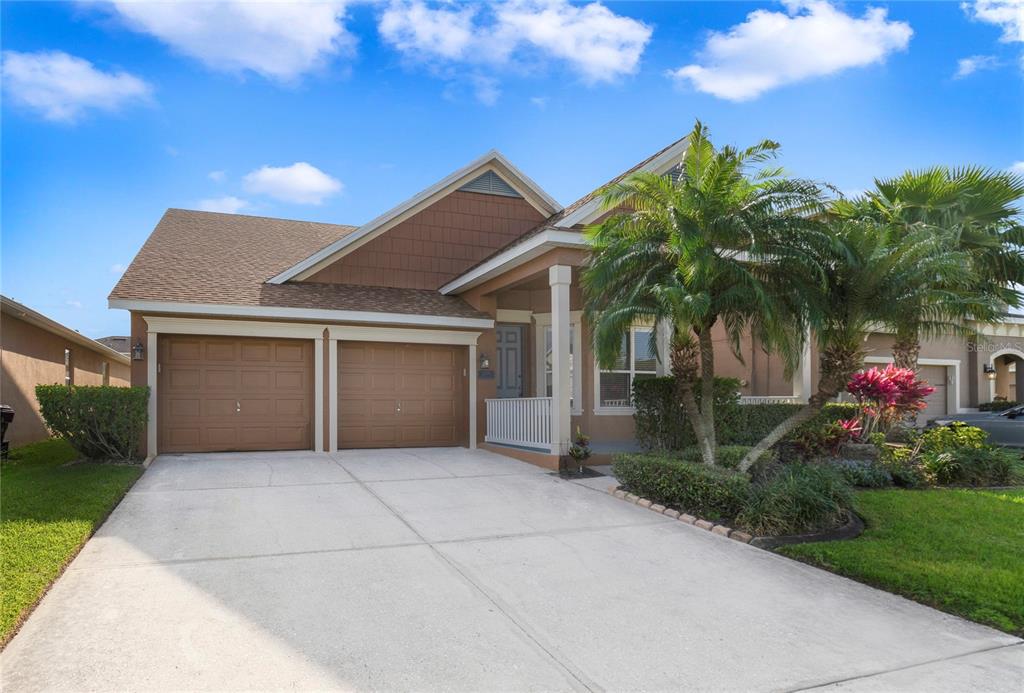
510, 360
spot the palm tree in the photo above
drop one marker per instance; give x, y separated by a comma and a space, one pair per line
977, 210
692, 251
870, 273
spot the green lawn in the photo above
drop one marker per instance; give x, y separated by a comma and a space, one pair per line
47, 511
959, 550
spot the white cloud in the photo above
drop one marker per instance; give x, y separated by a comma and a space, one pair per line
486, 89
301, 183
1017, 167
598, 44
1006, 14
73, 303
968, 66
540, 102
277, 40
419, 31
118, 268
812, 38
227, 204
62, 87
216, 176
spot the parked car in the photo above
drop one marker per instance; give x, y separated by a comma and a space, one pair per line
1003, 427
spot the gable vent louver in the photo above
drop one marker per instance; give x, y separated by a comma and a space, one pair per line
490, 184
675, 173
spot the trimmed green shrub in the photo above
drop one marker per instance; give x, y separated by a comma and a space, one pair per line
100, 422
800, 498
955, 436
972, 466
662, 425
999, 405
729, 456
660, 421
708, 492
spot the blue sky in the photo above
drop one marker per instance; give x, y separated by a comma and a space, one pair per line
336, 111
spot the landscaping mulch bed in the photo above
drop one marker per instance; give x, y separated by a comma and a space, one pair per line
851, 529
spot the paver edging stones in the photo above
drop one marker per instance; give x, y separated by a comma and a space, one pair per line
714, 527
853, 527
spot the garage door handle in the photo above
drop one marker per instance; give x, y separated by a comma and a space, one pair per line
398, 406
238, 406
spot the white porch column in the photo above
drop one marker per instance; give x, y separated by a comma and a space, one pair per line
318, 394
560, 277
332, 393
152, 373
802, 376
472, 372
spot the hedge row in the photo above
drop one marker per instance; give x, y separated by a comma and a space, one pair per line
998, 405
100, 422
662, 425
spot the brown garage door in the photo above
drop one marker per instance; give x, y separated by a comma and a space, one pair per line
400, 395
226, 393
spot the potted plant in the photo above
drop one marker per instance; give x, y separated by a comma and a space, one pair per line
579, 452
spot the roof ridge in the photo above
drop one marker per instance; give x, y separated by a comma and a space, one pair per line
260, 216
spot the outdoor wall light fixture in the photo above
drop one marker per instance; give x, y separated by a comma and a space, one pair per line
485, 361
138, 351
989, 370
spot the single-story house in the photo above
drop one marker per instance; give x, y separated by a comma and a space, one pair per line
452, 319
35, 350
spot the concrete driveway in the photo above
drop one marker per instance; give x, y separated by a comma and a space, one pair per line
458, 570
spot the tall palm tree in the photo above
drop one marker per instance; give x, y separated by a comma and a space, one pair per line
693, 251
870, 273
977, 210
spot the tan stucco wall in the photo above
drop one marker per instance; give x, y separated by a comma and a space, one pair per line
32, 356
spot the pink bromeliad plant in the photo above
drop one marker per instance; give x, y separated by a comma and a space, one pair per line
886, 396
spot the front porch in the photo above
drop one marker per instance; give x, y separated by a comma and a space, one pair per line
539, 379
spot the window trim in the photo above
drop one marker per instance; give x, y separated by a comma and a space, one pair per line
659, 370
542, 321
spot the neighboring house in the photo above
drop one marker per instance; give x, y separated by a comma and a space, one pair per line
122, 345
35, 350
454, 318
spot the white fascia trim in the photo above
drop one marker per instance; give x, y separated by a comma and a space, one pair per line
300, 313
665, 161
515, 256
355, 333
231, 328
37, 319
534, 194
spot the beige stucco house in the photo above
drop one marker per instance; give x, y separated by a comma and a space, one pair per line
452, 319
35, 350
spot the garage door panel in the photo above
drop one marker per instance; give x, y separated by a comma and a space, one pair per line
183, 379
220, 351
425, 380
186, 350
937, 402
218, 393
218, 379
257, 352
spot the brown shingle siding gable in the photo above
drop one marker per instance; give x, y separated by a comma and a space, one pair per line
436, 244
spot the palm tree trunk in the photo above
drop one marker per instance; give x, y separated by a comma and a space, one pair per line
836, 365
707, 389
906, 349
684, 368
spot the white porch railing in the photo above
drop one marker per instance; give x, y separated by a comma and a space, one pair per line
771, 399
522, 421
